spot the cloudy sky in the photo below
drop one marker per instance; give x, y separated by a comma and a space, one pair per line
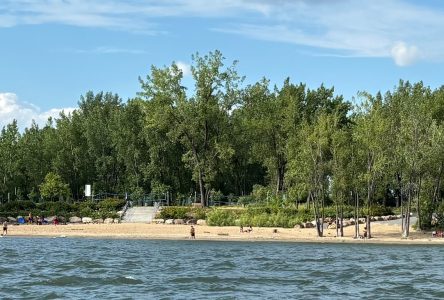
53, 51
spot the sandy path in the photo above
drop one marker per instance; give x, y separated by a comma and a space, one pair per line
382, 233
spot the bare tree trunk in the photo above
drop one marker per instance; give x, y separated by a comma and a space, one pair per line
418, 203
356, 215
342, 220
318, 221
202, 189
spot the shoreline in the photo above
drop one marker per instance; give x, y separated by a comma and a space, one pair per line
383, 234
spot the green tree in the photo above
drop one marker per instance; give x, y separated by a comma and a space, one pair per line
53, 188
200, 123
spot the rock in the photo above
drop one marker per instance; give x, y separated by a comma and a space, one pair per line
373, 219
379, 218
399, 216
191, 222
201, 222
98, 221
108, 221
158, 221
75, 220
362, 220
3, 219
346, 223
116, 220
385, 218
352, 222
298, 226
169, 221
50, 219
87, 220
309, 225
120, 213
12, 220
312, 223
62, 220
179, 221
331, 226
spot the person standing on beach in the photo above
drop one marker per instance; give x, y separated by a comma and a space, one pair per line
5, 228
192, 233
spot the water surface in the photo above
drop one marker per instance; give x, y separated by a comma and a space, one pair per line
76, 268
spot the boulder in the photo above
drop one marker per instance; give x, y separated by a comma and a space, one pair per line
116, 220
362, 220
201, 222
298, 226
386, 218
62, 220
98, 221
3, 219
179, 221
169, 221
331, 226
351, 222
346, 223
191, 222
379, 218
50, 219
309, 225
108, 221
313, 223
12, 220
158, 221
120, 213
87, 220
75, 220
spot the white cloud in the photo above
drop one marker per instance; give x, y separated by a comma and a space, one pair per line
340, 27
11, 108
404, 55
186, 68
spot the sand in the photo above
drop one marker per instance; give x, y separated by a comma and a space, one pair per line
382, 233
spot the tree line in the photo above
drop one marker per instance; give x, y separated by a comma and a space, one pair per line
307, 145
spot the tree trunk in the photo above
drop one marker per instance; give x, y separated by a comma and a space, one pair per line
318, 221
202, 189
356, 215
418, 203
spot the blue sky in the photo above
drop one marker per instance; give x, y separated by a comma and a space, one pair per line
53, 51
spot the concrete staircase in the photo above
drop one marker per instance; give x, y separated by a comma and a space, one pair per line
139, 214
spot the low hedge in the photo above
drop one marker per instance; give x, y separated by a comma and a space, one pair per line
183, 212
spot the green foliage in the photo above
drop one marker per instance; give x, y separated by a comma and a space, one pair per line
53, 187
182, 212
223, 217
111, 204
17, 206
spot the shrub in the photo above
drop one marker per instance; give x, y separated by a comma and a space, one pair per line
175, 212
111, 204
17, 206
222, 217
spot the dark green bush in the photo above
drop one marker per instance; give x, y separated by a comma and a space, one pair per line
111, 204
17, 206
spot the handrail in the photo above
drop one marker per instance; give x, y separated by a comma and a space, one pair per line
125, 208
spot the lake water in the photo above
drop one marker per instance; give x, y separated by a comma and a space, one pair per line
68, 268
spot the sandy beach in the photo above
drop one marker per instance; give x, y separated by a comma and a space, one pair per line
382, 233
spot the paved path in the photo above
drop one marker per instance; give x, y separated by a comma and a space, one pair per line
139, 214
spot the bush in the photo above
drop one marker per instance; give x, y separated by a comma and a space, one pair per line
223, 217
17, 206
111, 204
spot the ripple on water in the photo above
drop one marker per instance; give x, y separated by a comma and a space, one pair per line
181, 269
